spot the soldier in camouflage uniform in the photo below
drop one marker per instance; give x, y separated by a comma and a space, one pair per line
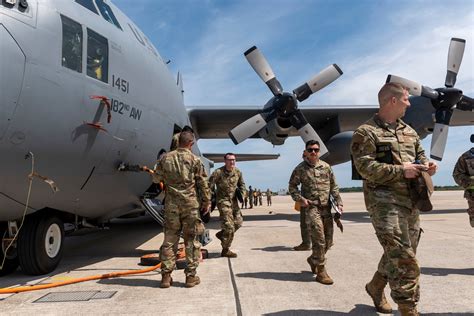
260, 197
226, 180
185, 179
463, 174
384, 151
317, 183
269, 197
175, 139
250, 196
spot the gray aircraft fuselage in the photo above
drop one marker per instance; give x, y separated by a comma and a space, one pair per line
45, 108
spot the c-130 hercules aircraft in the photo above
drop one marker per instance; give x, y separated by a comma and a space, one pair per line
83, 90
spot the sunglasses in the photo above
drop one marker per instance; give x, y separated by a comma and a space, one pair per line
312, 150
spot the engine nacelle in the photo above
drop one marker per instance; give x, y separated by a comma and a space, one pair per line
420, 116
339, 148
277, 131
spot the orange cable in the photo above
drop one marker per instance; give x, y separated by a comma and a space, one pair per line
180, 255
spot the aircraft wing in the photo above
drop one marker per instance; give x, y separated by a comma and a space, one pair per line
211, 122
218, 158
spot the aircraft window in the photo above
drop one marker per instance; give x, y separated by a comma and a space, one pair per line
88, 4
107, 13
97, 56
72, 44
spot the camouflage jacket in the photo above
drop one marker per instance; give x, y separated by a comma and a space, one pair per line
317, 182
225, 183
463, 172
378, 152
184, 177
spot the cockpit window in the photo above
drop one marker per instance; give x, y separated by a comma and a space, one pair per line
72, 44
107, 13
97, 56
88, 4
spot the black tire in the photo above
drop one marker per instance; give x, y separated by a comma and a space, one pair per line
11, 261
40, 244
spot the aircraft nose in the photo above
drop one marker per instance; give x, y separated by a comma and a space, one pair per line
12, 68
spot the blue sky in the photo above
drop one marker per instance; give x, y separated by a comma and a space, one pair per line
205, 41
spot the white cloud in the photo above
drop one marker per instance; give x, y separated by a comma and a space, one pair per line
410, 40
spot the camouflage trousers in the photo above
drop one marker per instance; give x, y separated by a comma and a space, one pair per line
319, 220
470, 210
398, 231
305, 227
231, 221
179, 219
269, 200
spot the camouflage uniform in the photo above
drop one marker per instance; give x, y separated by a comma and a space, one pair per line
379, 151
463, 174
269, 197
226, 182
260, 197
317, 182
250, 197
185, 178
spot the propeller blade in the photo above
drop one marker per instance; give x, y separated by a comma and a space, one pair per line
263, 69
455, 54
322, 79
466, 104
247, 128
306, 131
414, 88
438, 141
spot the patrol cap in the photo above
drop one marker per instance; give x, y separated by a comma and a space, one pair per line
422, 189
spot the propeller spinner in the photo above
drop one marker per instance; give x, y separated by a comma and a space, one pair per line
283, 104
444, 100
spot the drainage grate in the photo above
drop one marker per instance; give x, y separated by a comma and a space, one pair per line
103, 295
79, 296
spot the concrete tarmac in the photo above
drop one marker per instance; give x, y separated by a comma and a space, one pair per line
267, 278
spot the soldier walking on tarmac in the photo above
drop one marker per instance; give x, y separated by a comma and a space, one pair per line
269, 197
317, 183
463, 174
225, 181
185, 178
388, 155
250, 196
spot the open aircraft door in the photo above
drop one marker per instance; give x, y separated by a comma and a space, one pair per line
12, 69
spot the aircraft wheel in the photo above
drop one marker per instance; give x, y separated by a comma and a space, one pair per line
40, 244
11, 260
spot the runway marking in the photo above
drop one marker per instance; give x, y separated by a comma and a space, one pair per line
238, 306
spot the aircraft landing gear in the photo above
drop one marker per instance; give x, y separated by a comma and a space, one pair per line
40, 244
11, 260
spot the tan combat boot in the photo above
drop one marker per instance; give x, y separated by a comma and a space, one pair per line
192, 280
407, 310
322, 276
166, 280
227, 253
301, 247
375, 289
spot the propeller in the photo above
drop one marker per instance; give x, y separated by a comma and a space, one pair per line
283, 104
444, 100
